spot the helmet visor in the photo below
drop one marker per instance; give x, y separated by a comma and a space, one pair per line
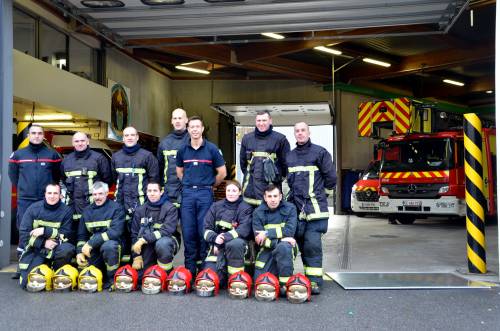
177, 286
265, 292
124, 283
296, 293
151, 285
238, 290
87, 284
205, 288
36, 283
62, 283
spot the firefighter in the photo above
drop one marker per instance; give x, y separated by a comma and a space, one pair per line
154, 231
44, 231
167, 151
80, 169
311, 177
30, 170
133, 168
262, 158
228, 227
100, 233
196, 165
274, 225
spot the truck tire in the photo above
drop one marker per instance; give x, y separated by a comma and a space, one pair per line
405, 219
360, 214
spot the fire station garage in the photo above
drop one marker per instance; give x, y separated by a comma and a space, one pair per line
397, 91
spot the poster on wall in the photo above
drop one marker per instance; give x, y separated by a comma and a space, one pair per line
120, 109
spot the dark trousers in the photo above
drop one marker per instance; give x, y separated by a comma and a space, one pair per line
195, 205
308, 238
278, 260
32, 258
230, 259
22, 206
106, 257
161, 252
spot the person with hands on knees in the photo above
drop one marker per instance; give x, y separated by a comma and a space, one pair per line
100, 233
274, 225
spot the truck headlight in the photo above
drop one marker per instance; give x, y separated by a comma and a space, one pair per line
444, 189
384, 190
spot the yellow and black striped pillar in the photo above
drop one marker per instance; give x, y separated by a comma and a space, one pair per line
233, 172
22, 134
474, 195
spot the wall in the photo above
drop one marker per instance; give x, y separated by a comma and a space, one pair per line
150, 92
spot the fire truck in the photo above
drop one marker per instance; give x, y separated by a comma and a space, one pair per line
364, 194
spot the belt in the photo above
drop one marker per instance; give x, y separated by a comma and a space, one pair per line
198, 187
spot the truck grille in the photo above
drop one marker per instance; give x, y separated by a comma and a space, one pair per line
422, 191
367, 196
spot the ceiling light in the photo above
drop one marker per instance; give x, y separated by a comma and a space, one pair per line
199, 71
489, 92
48, 117
273, 35
162, 2
328, 50
377, 62
103, 4
453, 82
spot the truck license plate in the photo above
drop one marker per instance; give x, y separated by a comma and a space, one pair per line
412, 203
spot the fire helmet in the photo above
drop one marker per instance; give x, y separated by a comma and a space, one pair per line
298, 288
65, 278
90, 280
154, 280
125, 279
207, 283
240, 285
39, 279
179, 280
267, 287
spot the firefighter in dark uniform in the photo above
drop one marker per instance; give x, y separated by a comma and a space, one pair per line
274, 225
199, 166
133, 168
100, 233
155, 237
30, 170
262, 159
167, 152
311, 177
80, 170
228, 227
44, 233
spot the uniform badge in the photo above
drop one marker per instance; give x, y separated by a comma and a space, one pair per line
195, 163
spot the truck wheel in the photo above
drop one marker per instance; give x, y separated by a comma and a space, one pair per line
360, 214
406, 219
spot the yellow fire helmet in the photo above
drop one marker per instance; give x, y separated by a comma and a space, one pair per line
39, 279
90, 280
65, 278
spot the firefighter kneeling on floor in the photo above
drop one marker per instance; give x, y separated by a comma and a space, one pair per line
274, 225
44, 230
100, 233
155, 237
228, 226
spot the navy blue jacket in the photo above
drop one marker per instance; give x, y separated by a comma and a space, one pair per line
279, 223
32, 168
306, 162
132, 173
101, 223
56, 221
80, 170
255, 148
234, 219
167, 152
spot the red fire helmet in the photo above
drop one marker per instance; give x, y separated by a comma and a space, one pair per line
125, 279
154, 280
267, 287
179, 280
240, 285
298, 288
207, 283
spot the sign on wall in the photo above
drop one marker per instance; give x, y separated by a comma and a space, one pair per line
120, 109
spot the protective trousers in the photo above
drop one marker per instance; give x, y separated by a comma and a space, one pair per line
308, 238
32, 258
161, 252
234, 259
108, 255
195, 205
22, 206
278, 260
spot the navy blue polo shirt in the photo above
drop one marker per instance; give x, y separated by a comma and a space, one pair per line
199, 164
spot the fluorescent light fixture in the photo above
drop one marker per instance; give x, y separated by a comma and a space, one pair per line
162, 2
328, 50
103, 4
48, 117
199, 71
453, 82
273, 35
376, 62
489, 92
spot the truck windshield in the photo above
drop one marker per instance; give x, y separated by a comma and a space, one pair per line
419, 155
372, 171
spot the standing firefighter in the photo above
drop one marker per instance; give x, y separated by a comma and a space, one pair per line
274, 225
262, 159
155, 237
80, 170
311, 176
167, 152
44, 231
100, 233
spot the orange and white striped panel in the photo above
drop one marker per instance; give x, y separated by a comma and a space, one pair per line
415, 174
402, 115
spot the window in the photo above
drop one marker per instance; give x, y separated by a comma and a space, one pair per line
83, 60
53, 47
24, 32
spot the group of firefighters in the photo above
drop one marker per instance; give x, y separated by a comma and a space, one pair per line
63, 209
